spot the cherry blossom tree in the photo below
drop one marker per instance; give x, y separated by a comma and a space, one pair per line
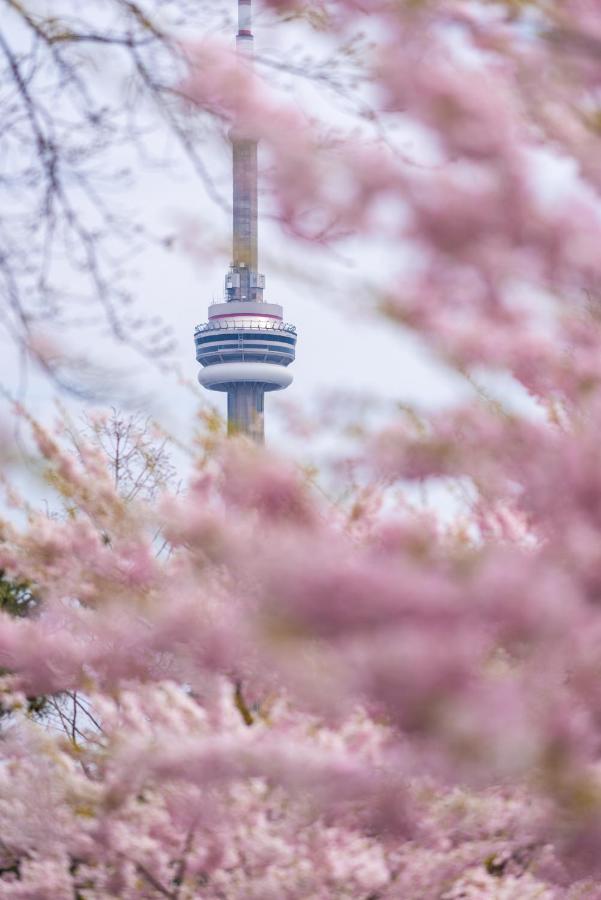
282, 696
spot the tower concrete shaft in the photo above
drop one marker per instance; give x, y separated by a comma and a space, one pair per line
245, 403
245, 347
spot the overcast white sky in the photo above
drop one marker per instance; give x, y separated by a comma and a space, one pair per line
341, 346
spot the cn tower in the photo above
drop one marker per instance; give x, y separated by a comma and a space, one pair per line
245, 347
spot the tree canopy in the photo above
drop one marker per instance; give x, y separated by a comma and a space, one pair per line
263, 692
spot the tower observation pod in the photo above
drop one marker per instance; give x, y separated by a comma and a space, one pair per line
245, 347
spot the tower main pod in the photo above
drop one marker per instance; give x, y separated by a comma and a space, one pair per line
245, 347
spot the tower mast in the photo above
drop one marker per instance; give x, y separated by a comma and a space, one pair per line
244, 159
245, 347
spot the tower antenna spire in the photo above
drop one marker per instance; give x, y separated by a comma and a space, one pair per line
245, 347
244, 165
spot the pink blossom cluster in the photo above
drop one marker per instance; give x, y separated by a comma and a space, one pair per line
505, 265
310, 701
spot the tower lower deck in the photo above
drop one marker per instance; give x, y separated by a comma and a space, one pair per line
245, 350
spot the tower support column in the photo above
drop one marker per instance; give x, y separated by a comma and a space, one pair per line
245, 404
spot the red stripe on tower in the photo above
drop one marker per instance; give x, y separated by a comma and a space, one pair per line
243, 315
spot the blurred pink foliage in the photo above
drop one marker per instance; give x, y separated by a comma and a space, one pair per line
285, 697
